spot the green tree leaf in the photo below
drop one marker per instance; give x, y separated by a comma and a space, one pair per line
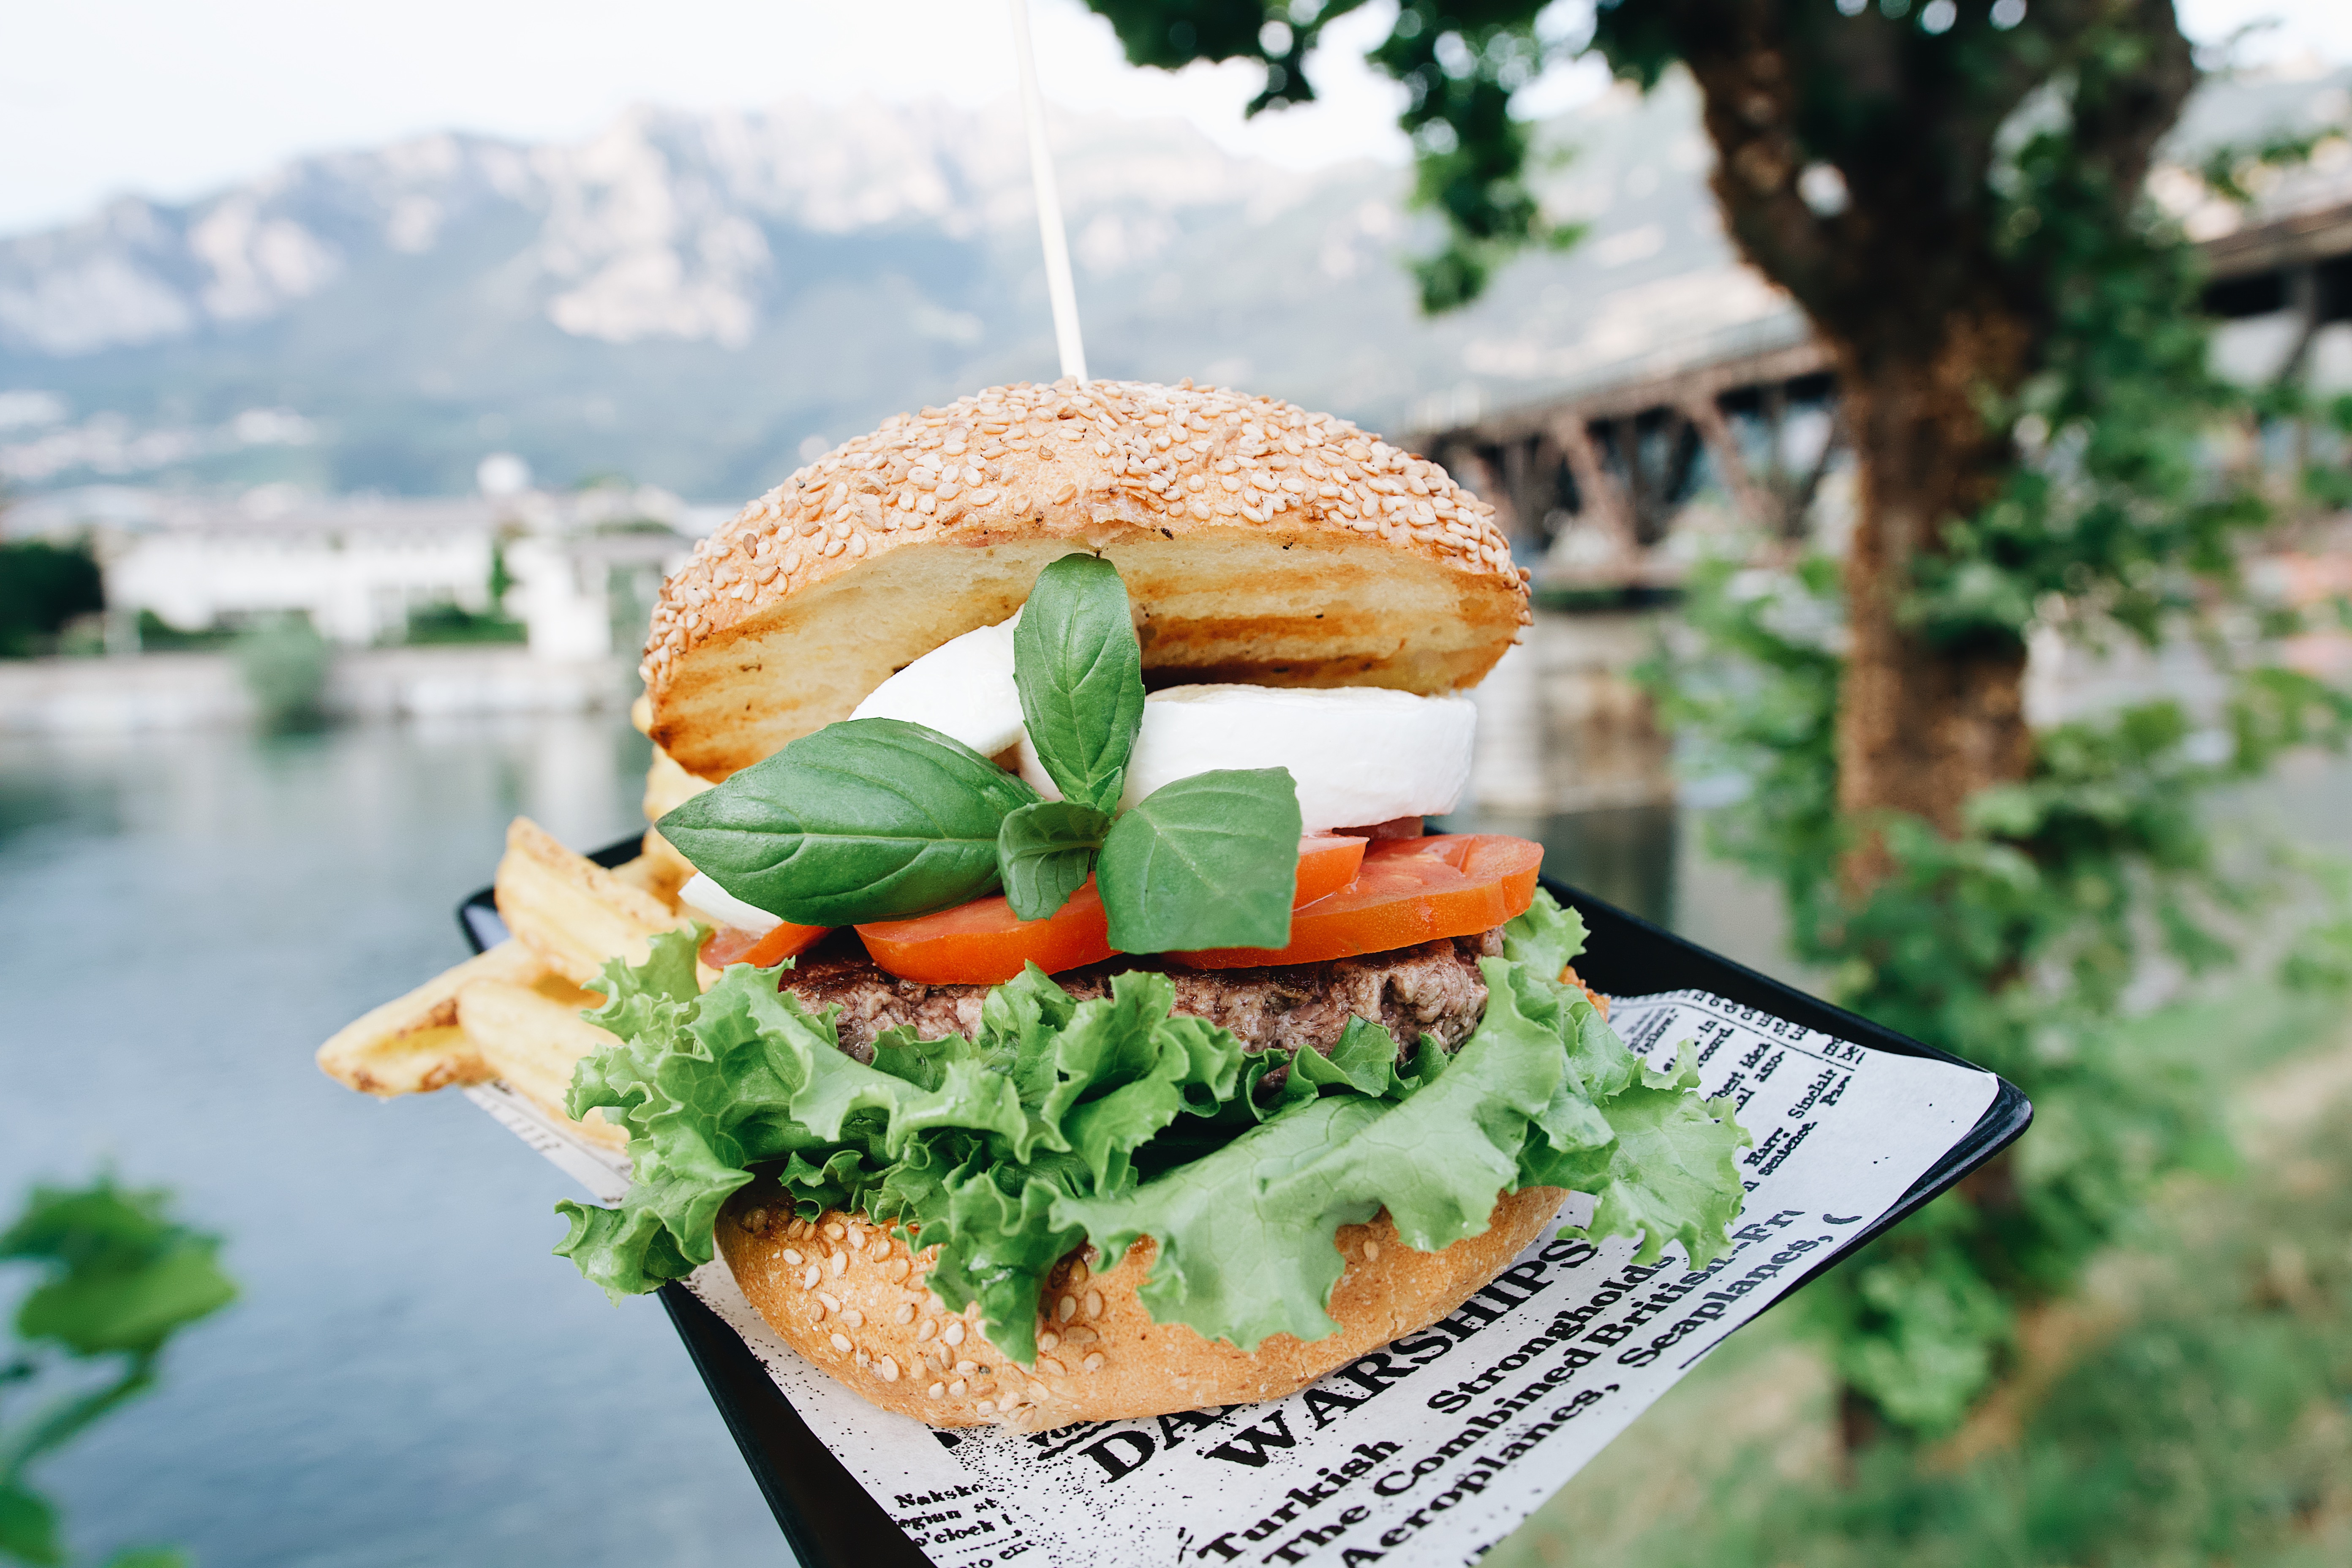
125, 1277
1206, 861
1080, 674
28, 1526
869, 819
1045, 852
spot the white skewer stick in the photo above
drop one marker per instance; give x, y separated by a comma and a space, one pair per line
1049, 205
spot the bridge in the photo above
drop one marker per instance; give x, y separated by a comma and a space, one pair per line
1615, 485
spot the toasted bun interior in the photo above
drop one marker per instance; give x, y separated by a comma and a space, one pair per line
850, 1297
1260, 544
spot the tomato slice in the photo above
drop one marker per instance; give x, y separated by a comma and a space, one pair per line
1410, 890
761, 950
984, 942
1327, 863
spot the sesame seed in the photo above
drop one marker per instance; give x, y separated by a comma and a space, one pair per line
1048, 1340
1371, 1251
904, 1315
1051, 1367
887, 1369
953, 1332
1094, 1304
840, 1342
1093, 1362
1065, 1310
984, 1406
936, 1391
854, 1318
809, 1279
958, 1387
832, 1301
836, 1264
928, 1328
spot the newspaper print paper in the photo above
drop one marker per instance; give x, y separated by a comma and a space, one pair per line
1435, 1449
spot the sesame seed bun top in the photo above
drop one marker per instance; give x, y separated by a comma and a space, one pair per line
1259, 543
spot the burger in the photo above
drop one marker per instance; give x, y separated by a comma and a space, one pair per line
1077, 1022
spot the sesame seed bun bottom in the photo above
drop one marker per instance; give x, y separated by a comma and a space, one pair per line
851, 1297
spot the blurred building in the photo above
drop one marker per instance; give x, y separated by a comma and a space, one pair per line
577, 570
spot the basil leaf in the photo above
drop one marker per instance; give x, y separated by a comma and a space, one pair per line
1044, 851
1080, 674
1206, 861
869, 819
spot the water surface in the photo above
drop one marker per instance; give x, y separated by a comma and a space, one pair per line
410, 1377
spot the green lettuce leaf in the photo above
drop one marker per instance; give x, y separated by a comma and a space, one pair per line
1364, 1060
1060, 1122
1672, 1175
1546, 939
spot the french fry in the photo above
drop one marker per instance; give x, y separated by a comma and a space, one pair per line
532, 1036
661, 870
569, 911
413, 1044
669, 786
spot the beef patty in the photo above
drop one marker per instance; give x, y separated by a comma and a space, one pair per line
1433, 989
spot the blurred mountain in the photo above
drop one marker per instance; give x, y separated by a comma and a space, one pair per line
689, 299
693, 300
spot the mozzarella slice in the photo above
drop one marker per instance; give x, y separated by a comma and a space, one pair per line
707, 898
1360, 754
963, 688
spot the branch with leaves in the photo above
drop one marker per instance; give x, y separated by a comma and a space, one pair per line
1461, 62
119, 1279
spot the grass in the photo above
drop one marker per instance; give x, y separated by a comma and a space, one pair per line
157, 635
439, 625
2205, 1420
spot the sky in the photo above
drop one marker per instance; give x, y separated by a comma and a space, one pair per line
169, 99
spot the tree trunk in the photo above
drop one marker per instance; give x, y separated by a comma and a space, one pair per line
1922, 726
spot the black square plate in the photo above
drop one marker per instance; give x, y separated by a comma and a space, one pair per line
828, 1515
